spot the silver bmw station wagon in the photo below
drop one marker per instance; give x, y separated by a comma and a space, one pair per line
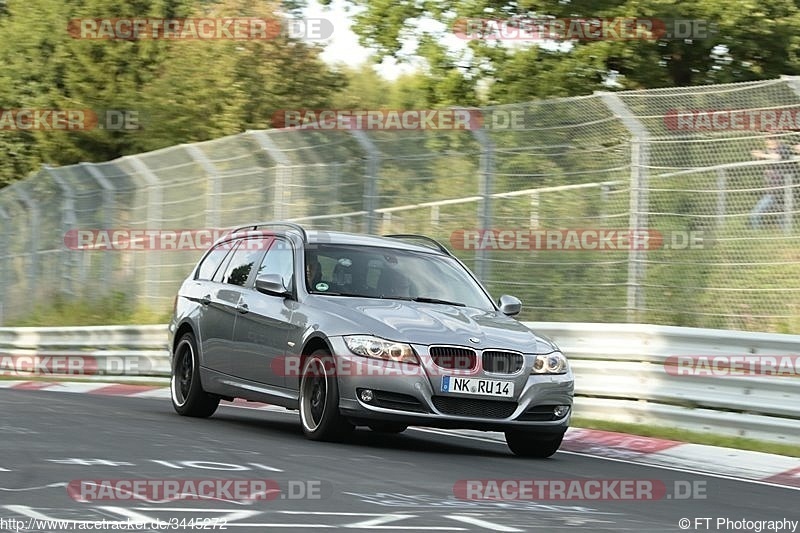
359, 330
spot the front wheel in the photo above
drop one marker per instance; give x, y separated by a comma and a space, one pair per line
526, 444
319, 399
188, 396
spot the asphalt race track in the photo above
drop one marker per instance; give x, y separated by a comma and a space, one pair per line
370, 482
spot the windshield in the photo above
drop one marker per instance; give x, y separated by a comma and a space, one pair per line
375, 272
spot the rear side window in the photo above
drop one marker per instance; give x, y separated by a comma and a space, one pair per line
244, 260
232, 245
212, 261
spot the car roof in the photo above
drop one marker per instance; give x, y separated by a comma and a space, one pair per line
318, 237
359, 239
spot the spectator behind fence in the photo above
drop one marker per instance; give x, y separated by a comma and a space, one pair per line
775, 177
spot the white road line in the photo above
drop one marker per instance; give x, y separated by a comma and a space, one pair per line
155, 393
273, 525
23, 489
379, 521
333, 513
482, 523
130, 514
227, 514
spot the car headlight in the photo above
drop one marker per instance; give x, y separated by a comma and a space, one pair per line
551, 363
377, 348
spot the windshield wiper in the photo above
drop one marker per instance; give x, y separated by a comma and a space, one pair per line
334, 293
421, 299
425, 299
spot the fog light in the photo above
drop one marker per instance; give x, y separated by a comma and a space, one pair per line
560, 411
366, 395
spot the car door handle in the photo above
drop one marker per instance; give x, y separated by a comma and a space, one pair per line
242, 308
205, 300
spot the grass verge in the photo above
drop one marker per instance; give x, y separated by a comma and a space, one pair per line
115, 309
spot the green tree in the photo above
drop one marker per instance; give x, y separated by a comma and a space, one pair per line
182, 91
750, 40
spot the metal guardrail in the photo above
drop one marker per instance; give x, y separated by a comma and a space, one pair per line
81, 351
621, 376
620, 371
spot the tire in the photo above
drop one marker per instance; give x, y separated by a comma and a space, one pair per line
186, 391
319, 399
388, 427
526, 444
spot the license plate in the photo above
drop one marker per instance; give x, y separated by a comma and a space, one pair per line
482, 387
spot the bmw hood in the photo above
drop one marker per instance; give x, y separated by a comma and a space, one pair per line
425, 323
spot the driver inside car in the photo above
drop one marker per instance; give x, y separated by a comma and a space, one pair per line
313, 271
393, 284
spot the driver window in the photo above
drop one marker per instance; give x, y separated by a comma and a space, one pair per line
279, 260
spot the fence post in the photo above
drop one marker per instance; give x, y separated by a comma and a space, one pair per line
788, 202
640, 148
213, 210
33, 208
68, 220
722, 184
534, 218
280, 200
485, 186
4, 230
109, 205
386, 222
152, 273
370, 177
788, 191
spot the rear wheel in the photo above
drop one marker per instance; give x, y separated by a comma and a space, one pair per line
319, 399
526, 444
188, 396
388, 427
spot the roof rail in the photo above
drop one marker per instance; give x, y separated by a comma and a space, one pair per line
427, 240
280, 224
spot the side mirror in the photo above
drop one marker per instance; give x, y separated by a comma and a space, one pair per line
510, 305
271, 284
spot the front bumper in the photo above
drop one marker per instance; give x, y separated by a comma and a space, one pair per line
413, 398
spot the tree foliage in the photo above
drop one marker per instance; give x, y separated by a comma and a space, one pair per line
749, 40
181, 91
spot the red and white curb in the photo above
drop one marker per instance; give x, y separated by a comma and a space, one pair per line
675, 455
116, 389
